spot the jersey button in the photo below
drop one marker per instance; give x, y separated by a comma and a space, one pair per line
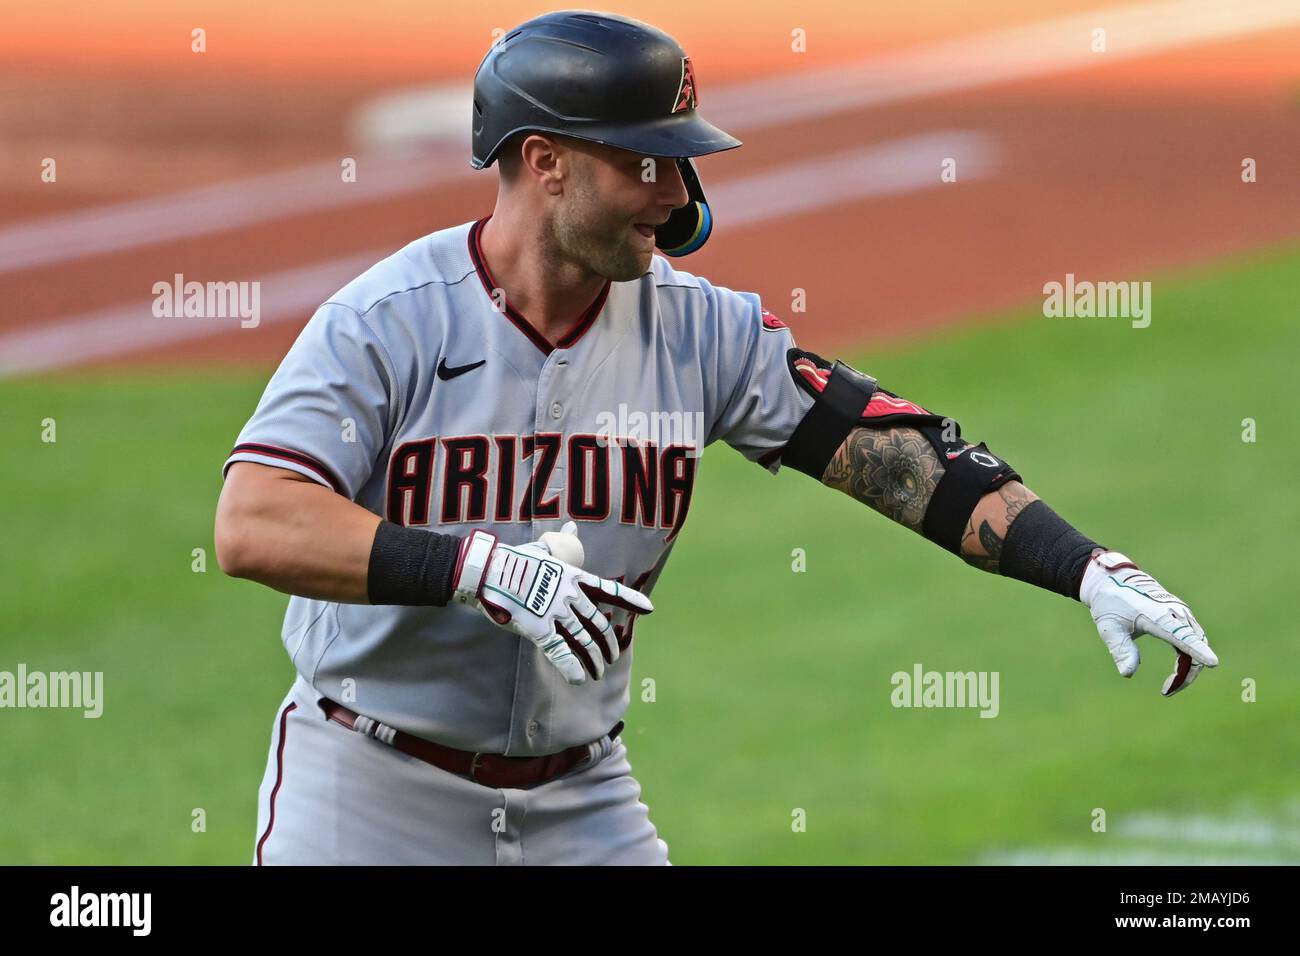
556, 409
533, 727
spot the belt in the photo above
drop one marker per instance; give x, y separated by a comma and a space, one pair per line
491, 770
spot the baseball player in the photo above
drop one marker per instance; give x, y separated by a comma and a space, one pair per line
445, 475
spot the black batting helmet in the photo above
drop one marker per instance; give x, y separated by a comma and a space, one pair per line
607, 79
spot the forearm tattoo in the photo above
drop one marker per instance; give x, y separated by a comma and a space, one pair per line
892, 470
895, 471
982, 548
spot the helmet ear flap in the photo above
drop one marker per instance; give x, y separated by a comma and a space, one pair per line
688, 226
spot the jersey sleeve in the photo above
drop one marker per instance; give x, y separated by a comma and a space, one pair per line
759, 402
330, 407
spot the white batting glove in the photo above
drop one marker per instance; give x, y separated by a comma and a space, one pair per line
1126, 602
539, 591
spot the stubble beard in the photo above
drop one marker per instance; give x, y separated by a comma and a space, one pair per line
585, 234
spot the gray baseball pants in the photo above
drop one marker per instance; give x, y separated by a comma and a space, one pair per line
332, 796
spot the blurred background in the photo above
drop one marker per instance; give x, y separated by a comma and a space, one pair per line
1148, 142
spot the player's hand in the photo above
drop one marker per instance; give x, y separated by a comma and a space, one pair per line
540, 592
1126, 602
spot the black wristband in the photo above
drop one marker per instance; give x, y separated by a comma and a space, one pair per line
1042, 548
411, 567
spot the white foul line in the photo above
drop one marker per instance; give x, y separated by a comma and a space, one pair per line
122, 329
889, 168
211, 209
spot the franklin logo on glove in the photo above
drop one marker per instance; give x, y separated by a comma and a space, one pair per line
543, 591
551, 602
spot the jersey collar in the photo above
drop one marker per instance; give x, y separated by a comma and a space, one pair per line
489, 284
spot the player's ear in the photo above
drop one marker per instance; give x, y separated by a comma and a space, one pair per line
545, 159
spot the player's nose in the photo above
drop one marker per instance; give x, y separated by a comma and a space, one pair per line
673, 189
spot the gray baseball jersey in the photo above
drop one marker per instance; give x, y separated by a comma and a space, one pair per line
420, 393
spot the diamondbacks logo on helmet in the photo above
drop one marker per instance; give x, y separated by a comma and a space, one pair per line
686, 98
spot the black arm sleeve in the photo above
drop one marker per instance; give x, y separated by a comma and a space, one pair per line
1042, 548
411, 567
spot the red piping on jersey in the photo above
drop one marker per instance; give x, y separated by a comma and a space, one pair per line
287, 454
279, 778
489, 284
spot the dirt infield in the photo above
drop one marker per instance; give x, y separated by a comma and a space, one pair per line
1112, 174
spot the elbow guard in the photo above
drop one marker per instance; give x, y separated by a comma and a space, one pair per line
845, 399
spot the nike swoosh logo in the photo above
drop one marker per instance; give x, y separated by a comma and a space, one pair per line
448, 372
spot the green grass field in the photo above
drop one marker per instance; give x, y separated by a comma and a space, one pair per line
772, 687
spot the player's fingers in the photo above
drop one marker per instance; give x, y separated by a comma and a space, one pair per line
559, 652
605, 591
1123, 650
1185, 671
583, 648
598, 626
1178, 628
